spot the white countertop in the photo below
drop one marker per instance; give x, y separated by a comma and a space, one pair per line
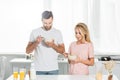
66, 77
60, 60
24, 60
97, 53
21, 60
12, 53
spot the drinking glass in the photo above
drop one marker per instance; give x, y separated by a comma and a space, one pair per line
99, 68
22, 73
15, 73
109, 65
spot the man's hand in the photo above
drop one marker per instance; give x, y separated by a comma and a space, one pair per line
38, 39
65, 55
32, 45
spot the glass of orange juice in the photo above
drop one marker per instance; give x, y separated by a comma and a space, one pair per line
99, 69
22, 73
15, 73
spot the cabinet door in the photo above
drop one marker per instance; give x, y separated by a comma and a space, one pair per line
116, 70
63, 68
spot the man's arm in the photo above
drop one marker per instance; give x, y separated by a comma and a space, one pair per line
60, 48
31, 46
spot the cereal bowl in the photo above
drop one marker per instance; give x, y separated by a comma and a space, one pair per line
72, 57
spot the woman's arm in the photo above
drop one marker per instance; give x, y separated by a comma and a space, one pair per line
89, 62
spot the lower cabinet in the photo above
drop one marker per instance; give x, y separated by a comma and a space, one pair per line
63, 68
116, 70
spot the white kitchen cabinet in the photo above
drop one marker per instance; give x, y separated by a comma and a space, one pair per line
116, 70
63, 68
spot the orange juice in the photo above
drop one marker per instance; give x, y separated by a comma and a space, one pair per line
99, 76
22, 75
15, 75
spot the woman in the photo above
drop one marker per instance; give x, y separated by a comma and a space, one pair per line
82, 48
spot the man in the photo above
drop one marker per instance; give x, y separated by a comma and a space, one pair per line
46, 52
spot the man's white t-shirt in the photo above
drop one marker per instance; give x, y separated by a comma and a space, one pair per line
45, 58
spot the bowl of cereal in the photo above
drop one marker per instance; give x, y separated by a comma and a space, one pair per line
72, 57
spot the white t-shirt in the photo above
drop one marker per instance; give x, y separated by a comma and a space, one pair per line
46, 57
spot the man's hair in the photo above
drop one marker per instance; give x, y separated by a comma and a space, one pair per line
47, 15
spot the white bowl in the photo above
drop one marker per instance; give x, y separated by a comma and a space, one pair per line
72, 57
48, 40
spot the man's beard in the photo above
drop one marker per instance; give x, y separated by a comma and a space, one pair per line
47, 28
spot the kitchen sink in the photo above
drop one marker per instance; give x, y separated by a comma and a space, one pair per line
105, 58
108, 58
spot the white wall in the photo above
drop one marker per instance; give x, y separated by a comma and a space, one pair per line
109, 26
17, 19
67, 13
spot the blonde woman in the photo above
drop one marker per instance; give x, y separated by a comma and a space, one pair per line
82, 48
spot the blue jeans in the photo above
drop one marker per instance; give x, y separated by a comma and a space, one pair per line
54, 72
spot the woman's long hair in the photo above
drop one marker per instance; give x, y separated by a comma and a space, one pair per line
83, 27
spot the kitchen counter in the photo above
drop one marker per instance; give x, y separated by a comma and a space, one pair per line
66, 77
60, 60
24, 60
97, 53
12, 53
21, 60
